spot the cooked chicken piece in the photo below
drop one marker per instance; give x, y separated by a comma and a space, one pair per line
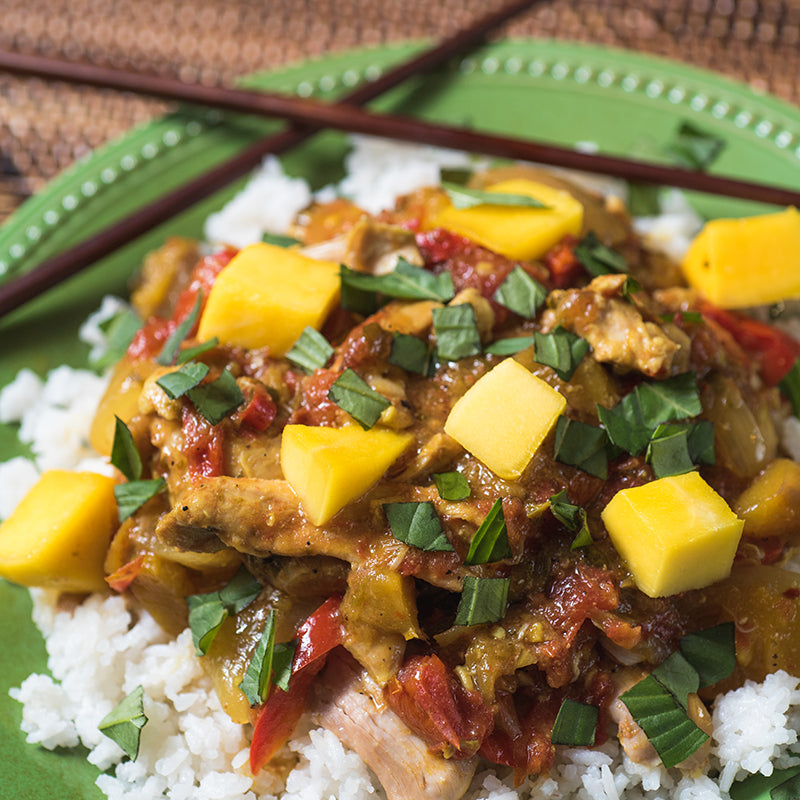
154, 400
616, 329
164, 274
264, 517
349, 705
439, 451
375, 247
411, 318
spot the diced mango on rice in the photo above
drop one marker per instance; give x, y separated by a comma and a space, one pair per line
516, 231
330, 467
736, 263
675, 534
266, 296
503, 418
58, 535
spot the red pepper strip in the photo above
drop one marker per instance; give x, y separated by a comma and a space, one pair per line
277, 717
773, 350
259, 412
203, 277
122, 578
428, 696
202, 444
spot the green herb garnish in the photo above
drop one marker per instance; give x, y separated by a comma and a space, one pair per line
630, 287
508, 347
461, 197
410, 353
119, 331
490, 542
405, 282
133, 495
790, 387
668, 451
674, 736
575, 724
124, 453
178, 383
581, 445
311, 351
189, 353
207, 612
355, 396
597, 258
572, 517
279, 239
452, 486
172, 346
124, 723
561, 350
643, 199
456, 331
417, 524
457, 175
711, 652
521, 293
216, 399
678, 677
271, 665
482, 600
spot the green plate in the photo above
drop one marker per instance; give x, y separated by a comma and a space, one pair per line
554, 91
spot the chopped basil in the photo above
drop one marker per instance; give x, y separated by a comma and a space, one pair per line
172, 346
711, 652
405, 282
452, 486
311, 351
790, 386
207, 612
575, 725
490, 542
124, 453
678, 677
573, 518
597, 258
124, 723
630, 287
190, 353
686, 316
561, 350
457, 175
462, 197
581, 445
624, 426
279, 239
668, 451
643, 199
521, 293
133, 495
355, 396
417, 524
694, 148
508, 347
119, 331
674, 736
271, 665
178, 383
482, 600
673, 398
359, 301
410, 353
456, 332
216, 399
761, 787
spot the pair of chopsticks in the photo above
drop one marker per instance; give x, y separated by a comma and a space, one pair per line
309, 116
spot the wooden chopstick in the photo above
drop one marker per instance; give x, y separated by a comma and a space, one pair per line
31, 284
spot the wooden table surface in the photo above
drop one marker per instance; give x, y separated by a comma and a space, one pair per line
45, 126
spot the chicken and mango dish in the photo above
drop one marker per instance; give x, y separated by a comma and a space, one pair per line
479, 474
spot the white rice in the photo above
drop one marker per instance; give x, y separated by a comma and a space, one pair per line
190, 750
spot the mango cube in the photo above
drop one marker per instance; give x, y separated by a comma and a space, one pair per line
503, 418
58, 535
514, 231
752, 261
330, 467
267, 295
675, 534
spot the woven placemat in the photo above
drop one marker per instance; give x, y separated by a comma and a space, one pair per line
44, 127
